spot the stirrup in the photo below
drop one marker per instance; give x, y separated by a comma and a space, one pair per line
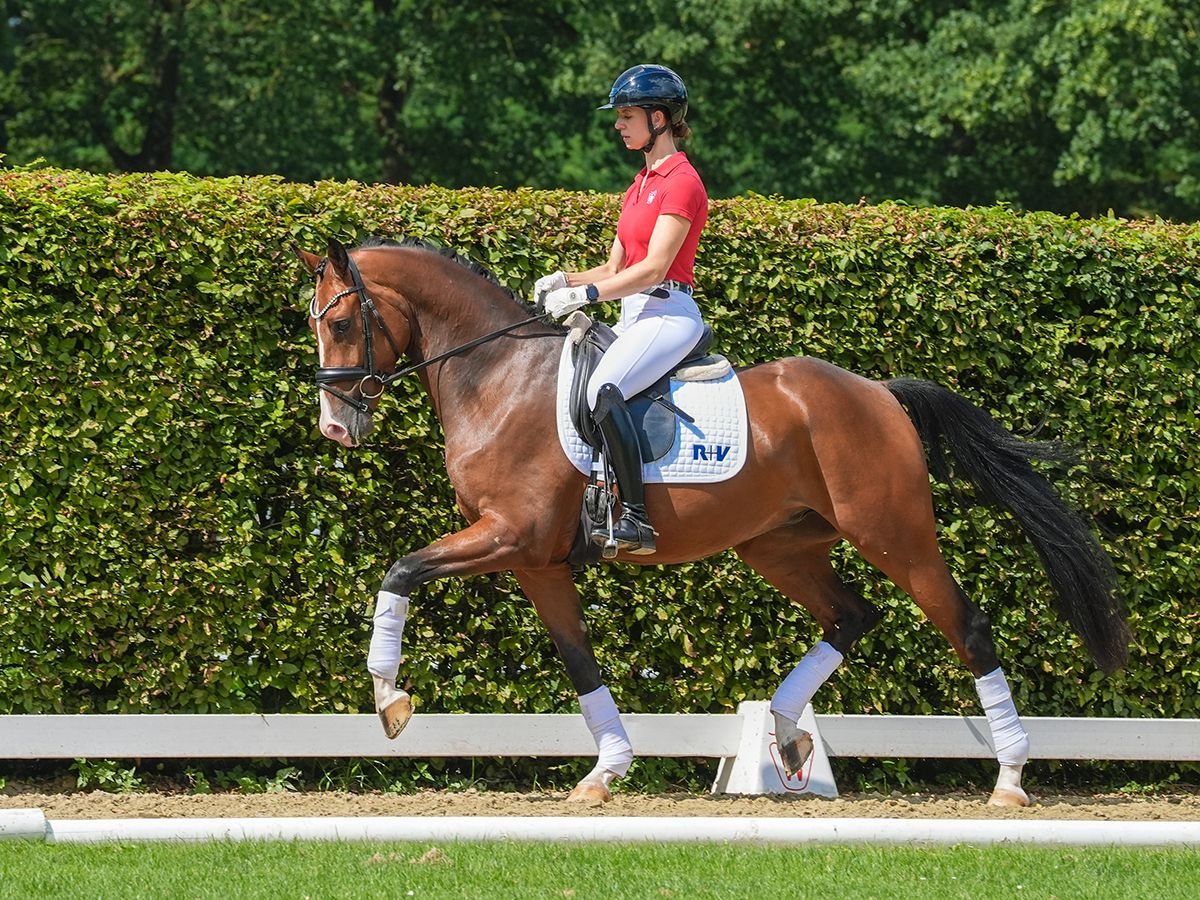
631, 533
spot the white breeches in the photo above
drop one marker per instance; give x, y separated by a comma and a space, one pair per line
649, 343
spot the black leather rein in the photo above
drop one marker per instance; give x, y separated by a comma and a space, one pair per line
370, 373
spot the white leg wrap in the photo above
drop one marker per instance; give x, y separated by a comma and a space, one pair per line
798, 688
1009, 779
604, 721
1008, 734
383, 659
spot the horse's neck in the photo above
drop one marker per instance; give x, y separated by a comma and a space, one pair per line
481, 387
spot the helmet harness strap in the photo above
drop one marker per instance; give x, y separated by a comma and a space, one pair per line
654, 132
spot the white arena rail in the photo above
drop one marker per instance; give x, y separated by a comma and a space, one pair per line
742, 741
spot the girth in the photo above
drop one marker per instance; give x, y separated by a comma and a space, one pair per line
653, 412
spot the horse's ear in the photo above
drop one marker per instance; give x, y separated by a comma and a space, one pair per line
339, 258
310, 260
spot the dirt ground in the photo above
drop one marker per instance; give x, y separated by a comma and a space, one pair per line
1175, 806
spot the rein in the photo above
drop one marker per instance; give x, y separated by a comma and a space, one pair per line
370, 372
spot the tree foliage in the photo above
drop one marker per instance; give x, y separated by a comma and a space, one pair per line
1083, 105
1070, 105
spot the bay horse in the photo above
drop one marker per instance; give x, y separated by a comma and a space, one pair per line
832, 456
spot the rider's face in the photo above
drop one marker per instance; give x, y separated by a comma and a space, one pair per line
631, 125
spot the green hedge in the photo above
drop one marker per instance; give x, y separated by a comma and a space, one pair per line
175, 535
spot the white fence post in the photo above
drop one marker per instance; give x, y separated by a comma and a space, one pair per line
757, 768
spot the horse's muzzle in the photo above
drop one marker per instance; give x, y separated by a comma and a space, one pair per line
345, 423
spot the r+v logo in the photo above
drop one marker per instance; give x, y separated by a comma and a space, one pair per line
714, 452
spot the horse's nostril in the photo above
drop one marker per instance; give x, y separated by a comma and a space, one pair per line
334, 431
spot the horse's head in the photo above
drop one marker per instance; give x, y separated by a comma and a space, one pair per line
348, 320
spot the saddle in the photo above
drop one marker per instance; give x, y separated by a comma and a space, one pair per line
652, 410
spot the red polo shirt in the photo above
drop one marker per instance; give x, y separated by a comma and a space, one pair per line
673, 188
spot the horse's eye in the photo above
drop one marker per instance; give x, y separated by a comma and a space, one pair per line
340, 326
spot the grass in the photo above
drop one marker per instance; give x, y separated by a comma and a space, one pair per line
320, 870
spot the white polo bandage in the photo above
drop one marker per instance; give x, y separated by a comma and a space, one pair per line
604, 722
383, 659
799, 687
1009, 738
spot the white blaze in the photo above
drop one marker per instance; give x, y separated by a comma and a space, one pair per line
328, 423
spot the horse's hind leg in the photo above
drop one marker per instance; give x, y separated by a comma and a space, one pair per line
556, 599
970, 632
795, 560
865, 453
907, 552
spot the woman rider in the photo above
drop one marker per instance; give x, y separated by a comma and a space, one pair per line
650, 269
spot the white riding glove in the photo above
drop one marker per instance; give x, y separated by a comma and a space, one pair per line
566, 300
546, 284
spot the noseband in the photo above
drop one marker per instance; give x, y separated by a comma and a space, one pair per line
369, 375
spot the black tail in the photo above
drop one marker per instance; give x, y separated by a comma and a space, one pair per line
998, 464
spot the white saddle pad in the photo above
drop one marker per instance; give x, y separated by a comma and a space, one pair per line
713, 448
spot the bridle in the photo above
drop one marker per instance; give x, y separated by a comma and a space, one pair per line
370, 375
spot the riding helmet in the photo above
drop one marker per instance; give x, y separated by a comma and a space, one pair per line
648, 86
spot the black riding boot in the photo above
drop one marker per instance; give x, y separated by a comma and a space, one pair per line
632, 532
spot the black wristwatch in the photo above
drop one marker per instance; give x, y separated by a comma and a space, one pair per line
591, 293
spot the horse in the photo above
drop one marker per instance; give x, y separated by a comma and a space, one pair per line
832, 456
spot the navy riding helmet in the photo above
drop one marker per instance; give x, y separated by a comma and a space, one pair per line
650, 86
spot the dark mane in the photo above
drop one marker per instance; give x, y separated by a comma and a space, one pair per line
451, 254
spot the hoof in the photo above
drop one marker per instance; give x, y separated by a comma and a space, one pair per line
396, 715
1008, 796
795, 753
795, 745
393, 705
590, 792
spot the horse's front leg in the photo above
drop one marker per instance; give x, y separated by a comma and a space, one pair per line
556, 599
393, 704
488, 545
